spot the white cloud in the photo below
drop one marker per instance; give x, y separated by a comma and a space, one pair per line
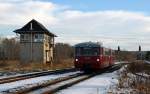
113, 28
23, 11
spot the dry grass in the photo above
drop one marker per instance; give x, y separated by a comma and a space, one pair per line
129, 78
138, 66
67, 63
15, 66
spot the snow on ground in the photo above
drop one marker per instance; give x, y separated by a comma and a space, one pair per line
13, 74
97, 85
143, 74
148, 62
4, 74
120, 62
25, 83
9, 74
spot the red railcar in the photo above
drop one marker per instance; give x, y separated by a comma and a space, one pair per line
92, 56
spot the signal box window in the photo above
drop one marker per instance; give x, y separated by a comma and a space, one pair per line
36, 36
22, 36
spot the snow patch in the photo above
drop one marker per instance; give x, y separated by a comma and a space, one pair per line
99, 84
32, 81
148, 62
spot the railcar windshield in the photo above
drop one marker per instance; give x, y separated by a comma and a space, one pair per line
87, 51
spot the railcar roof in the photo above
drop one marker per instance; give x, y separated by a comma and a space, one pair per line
88, 44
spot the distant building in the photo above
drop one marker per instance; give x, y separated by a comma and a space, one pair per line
36, 43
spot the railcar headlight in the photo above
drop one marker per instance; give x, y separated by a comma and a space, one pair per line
76, 59
97, 60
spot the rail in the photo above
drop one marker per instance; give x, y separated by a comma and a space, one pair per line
41, 85
53, 86
33, 75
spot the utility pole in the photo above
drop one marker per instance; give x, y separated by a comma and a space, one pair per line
31, 42
119, 53
140, 53
139, 48
118, 48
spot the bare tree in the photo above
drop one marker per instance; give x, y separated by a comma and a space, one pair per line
63, 51
10, 49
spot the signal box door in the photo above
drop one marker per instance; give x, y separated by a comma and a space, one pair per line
47, 56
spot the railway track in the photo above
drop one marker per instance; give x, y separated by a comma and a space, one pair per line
40, 87
53, 86
33, 75
62, 85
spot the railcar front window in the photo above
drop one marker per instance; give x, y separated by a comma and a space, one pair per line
90, 51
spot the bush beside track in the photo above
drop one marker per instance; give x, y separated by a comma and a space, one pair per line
135, 78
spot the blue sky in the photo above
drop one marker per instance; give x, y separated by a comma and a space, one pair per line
96, 5
112, 22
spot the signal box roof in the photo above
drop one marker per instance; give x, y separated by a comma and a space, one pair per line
34, 27
88, 44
